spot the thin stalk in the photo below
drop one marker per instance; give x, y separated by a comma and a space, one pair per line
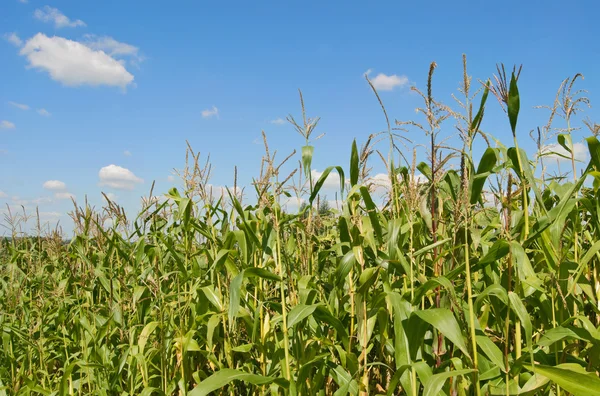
524, 188
509, 286
279, 266
468, 277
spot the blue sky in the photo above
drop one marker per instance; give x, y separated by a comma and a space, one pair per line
102, 96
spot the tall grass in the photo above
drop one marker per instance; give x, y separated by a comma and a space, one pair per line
477, 280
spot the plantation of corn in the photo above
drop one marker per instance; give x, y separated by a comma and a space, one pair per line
479, 278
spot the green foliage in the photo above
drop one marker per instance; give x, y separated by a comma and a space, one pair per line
203, 295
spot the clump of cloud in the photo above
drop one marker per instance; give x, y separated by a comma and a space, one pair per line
209, 113
73, 63
384, 82
7, 125
119, 178
59, 188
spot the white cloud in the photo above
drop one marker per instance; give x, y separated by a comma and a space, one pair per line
127, 153
3, 194
52, 15
19, 105
222, 191
278, 121
64, 195
28, 202
171, 178
557, 152
208, 113
59, 188
112, 47
381, 182
118, 177
6, 125
55, 185
73, 64
383, 82
49, 216
14, 39
44, 112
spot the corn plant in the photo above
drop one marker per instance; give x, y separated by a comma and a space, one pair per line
481, 279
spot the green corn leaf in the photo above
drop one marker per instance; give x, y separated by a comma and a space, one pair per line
479, 116
484, 169
491, 350
422, 290
225, 376
235, 291
519, 309
354, 166
431, 247
372, 212
499, 249
566, 142
346, 264
526, 174
260, 273
444, 321
514, 103
594, 147
299, 313
321, 181
433, 386
571, 377
145, 334
492, 290
307, 155
214, 297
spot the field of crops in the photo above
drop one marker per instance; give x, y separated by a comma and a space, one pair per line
475, 279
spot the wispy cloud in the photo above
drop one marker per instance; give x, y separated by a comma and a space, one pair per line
53, 15
54, 185
278, 121
74, 64
112, 47
383, 82
30, 202
64, 195
50, 216
3, 194
7, 125
19, 105
14, 39
44, 112
209, 113
127, 153
117, 177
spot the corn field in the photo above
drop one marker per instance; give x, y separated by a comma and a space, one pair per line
468, 276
